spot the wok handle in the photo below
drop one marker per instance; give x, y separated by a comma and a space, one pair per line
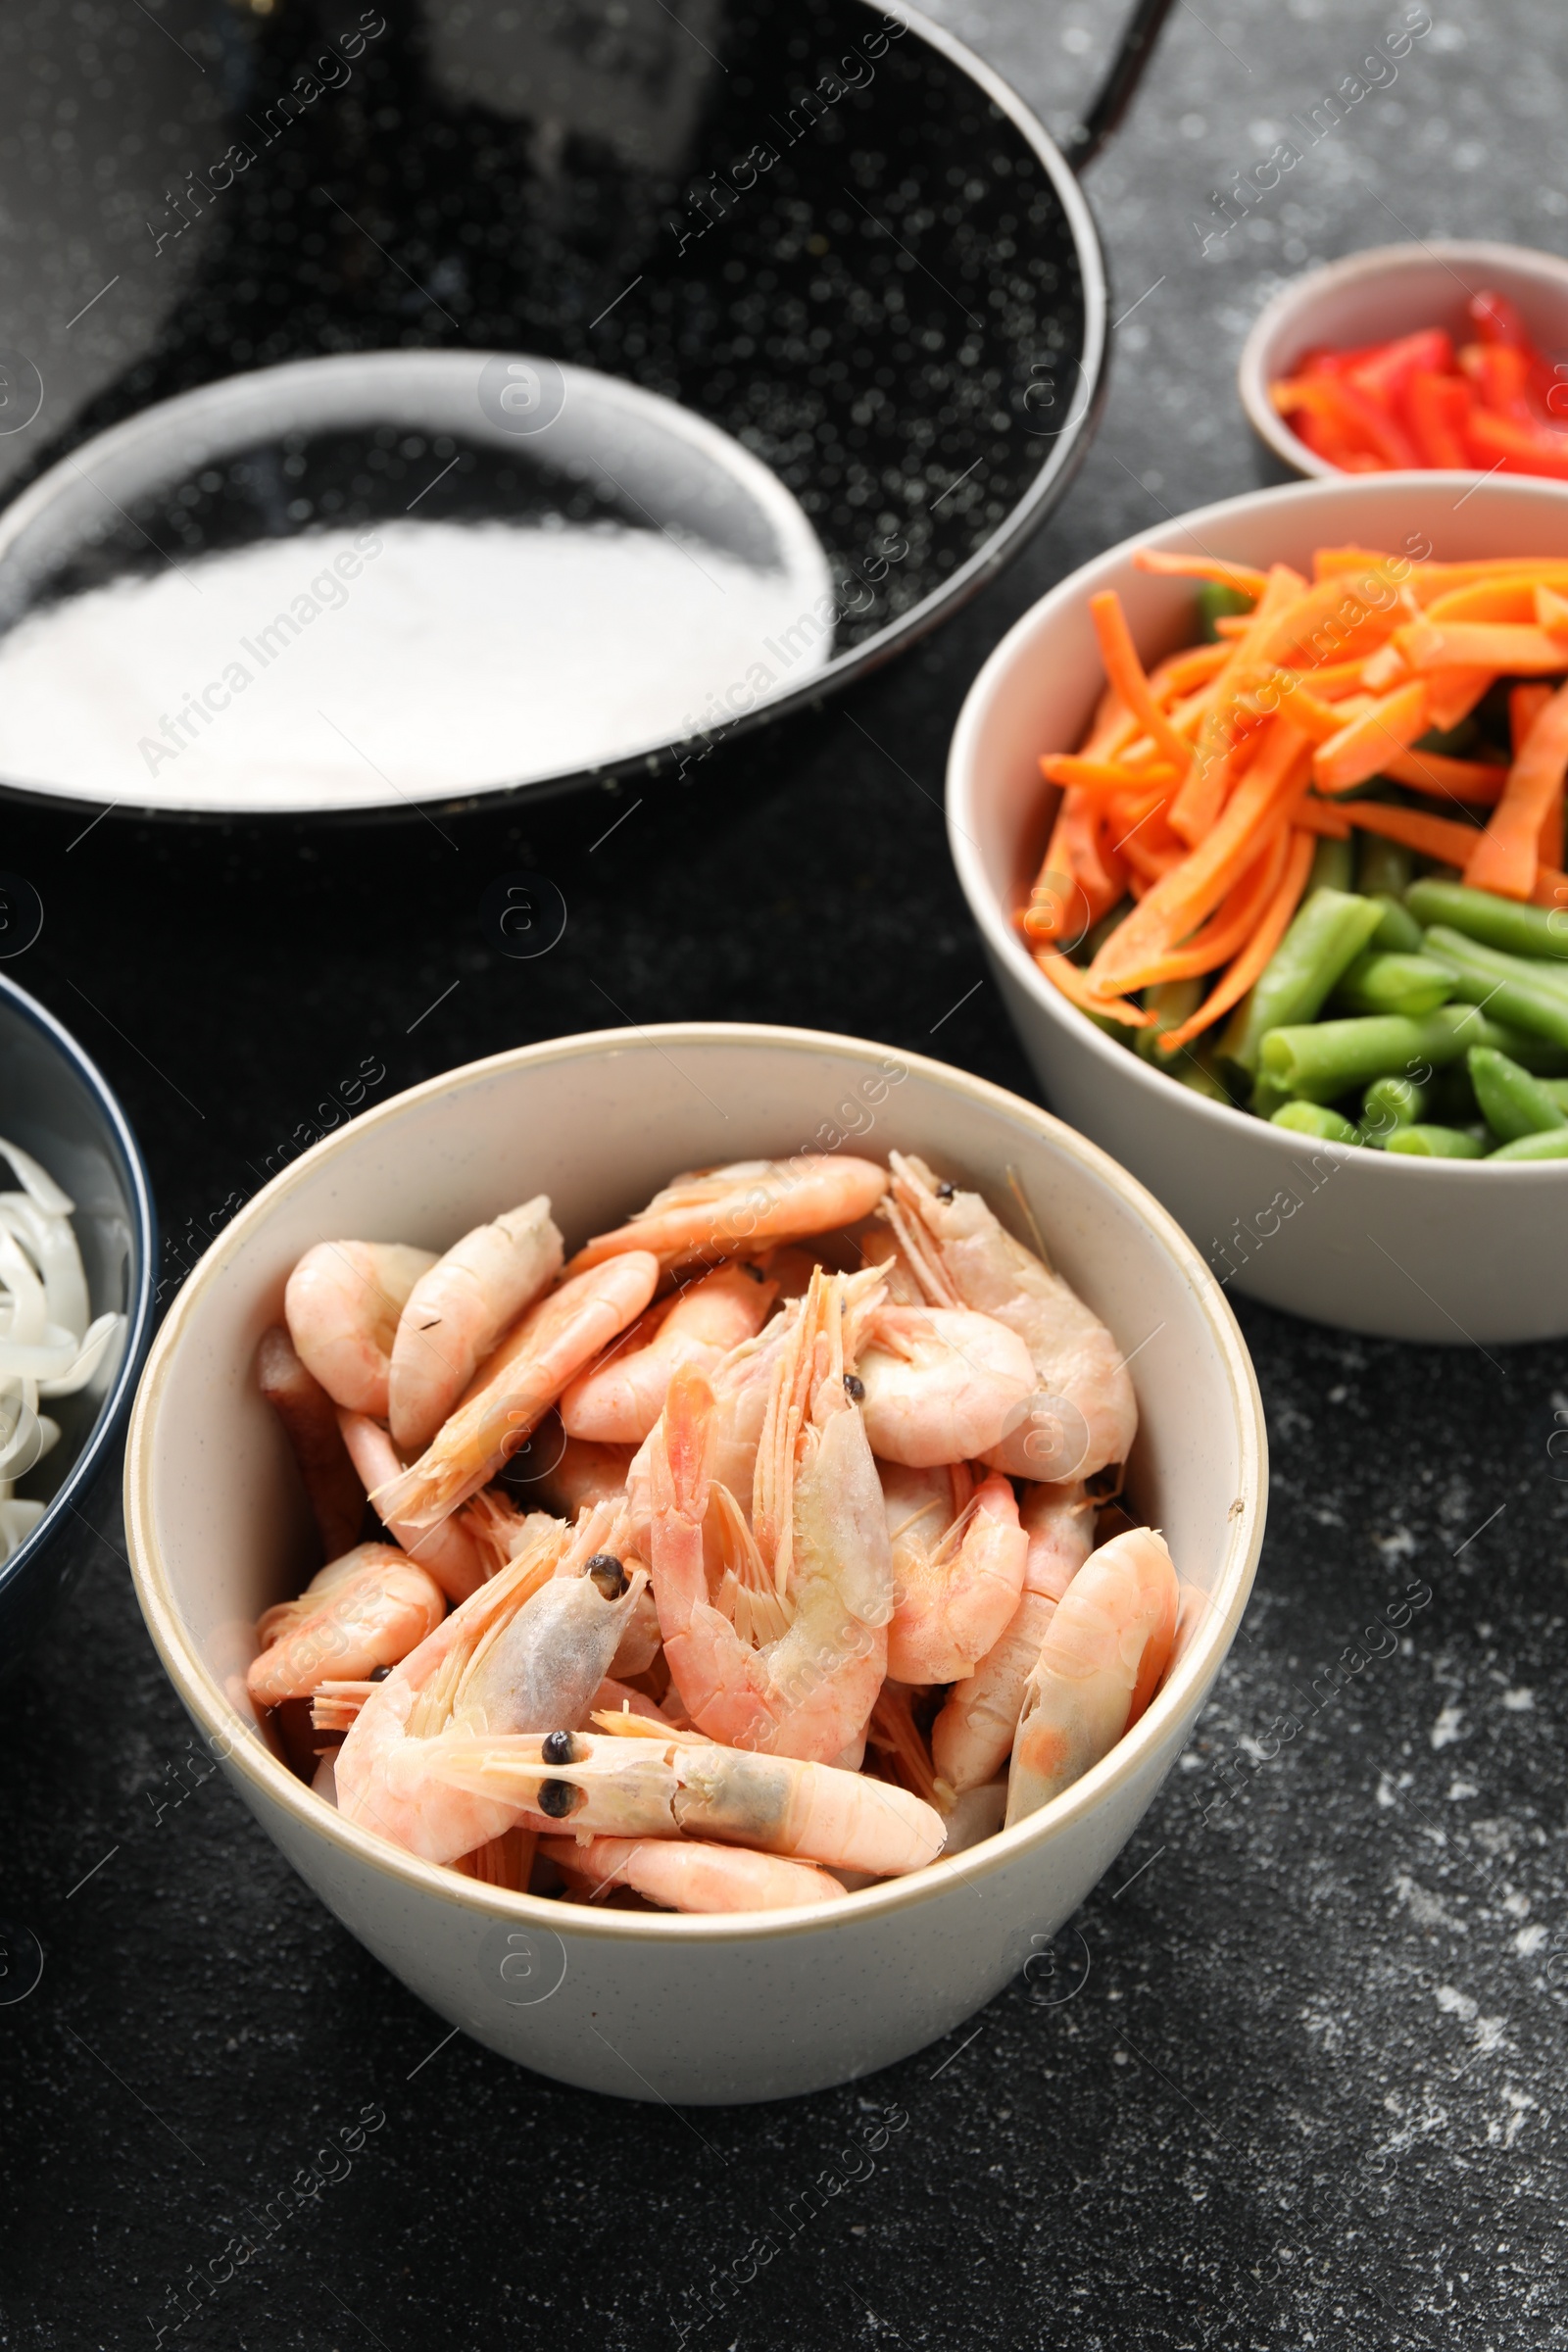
1116, 92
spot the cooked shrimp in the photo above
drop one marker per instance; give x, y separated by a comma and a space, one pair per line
1084, 1413
371, 1608
685, 1874
449, 1550
533, 1644
458, 1310
309, 1416
581, 1474
515, 1390
942, 1384
342, 1306
952, 1599
644, 1782
792, 1658
1100, 1663
618, 1401
971, 1736
726, 1213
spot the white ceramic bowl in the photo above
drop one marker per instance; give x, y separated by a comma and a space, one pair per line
1410, 1248
1392, 290
698, 2009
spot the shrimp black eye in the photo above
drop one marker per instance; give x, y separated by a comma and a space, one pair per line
379, 1674
605, 1572
855, 1386
945, 1191
558, 1798
755, 1272
560, 1747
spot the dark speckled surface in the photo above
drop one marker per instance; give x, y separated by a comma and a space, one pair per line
1296, 2082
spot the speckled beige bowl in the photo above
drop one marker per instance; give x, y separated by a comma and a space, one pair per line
701, 2009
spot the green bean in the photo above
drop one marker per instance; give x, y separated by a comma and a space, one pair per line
1512, 1103
1528, 971
1557, 1089
1551, 1144
1398, 932
1538, 1053
1217, 602
1325, 1060
1435, 1143
1267, 1097
1382, 867
1316, 1119
1539, 1007
1171, 1001
1410, 984
1189, 1069
1332, 865
1496, 923
1329, 932
1391, 1102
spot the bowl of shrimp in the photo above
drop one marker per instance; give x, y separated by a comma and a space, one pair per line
657, 1526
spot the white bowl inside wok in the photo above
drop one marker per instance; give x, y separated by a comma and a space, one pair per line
1449, 1251
681, 2008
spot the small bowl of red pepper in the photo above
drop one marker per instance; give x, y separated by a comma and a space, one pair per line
1451, 355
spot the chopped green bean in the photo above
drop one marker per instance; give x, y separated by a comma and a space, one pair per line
1409, 984
1217, 602
1316, 1119
1528, 971
1267, 1096
1332, 867
1194, 1070
1537, 1006
1324, 1059
1389, 1103
1398, 932
1557, 1089
1329, 932
1551, 1144
1171, 1001
1382, 867
1435, 1143
1512, 1103
1496, 923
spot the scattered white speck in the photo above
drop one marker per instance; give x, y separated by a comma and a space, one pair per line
1517, 1906
1454, 2003
1447, 1729
1427, 1910
1397, 1546
1190, 1761
1519, 1702
1529, 1941
1337, 1396
1386, 1795
1075, 40
1458, 1791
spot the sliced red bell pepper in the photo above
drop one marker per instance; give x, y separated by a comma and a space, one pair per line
1500, 372
1438, 407
1497, 321
1518, 448
1385, 373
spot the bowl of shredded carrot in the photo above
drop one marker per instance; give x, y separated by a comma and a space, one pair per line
1449, 356
1260, 815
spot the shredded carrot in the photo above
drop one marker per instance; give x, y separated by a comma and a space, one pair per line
1232, 624
1511, 599
1177, 904
1552, 888
1202, 567
1180, 673
1065, 975
1441, 837
1362, 747
1227, 724
1506, 649
1428, 581
1233, 922
1321, 817
1505, 857
1319, 721
1550, 610
1333, 678
1126, 673
1525, 706
1106, 775
1452, 694
1329, 562
1380, 670
1249, 963
1477, 780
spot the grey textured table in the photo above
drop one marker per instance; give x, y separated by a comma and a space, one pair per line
1294, 2076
